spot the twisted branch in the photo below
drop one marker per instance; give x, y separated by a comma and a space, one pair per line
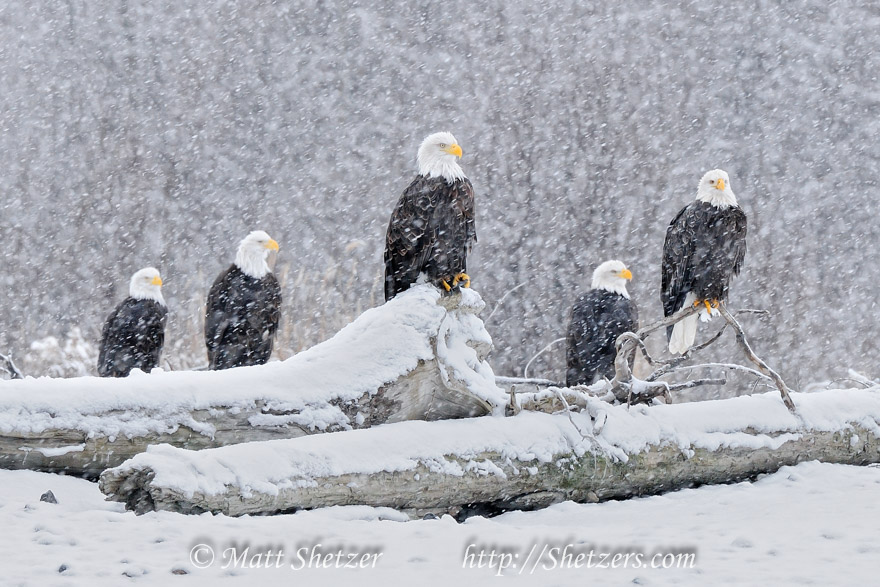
10, 367
624, 389
762, 366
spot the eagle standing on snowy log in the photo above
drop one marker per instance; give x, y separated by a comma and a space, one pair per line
134, 333
705, 246
598, 317
243, 308
432, 228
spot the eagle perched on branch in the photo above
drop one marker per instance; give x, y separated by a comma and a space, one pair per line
598, 317
705, 246
432, 228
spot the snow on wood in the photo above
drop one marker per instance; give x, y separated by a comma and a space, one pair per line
419, 356
522, 462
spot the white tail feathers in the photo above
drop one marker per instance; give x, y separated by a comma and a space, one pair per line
685, 331
683, 334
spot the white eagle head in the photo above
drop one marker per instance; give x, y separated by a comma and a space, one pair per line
612, 276
715, 189
438, 156
146, 285
252, 254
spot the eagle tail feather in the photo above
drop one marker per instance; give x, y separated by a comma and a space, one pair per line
684, 332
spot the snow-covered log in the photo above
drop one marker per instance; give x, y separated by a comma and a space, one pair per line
527, 461
419, 356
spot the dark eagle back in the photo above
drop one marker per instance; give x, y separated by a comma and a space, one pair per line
241, 319
598, 317
431, 231
705, 246
132, 337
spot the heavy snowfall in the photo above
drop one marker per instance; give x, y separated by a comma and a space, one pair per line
157, 133
142, 133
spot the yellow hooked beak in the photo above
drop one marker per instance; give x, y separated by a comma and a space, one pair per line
156, 281
719, 185
626, 274
454, 149
272, 244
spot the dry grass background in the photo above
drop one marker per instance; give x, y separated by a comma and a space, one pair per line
315, 306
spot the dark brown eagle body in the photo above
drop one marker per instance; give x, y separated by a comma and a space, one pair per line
133, 337
598, 317
241, 319
705, 246
431, 231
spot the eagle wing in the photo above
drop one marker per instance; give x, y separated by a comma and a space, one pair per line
407, 242
273, 303
453, 230
738, 242
677, 264
217, 318
107, 352
467, 210
580, 343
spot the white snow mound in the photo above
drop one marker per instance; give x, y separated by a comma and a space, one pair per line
380, 346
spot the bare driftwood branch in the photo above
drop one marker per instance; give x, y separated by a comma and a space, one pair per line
508, 381
762, 366
8, 366
832, 383
671, 365
622, 385
854, 377
554, 400
501, 301
625, 389
541, 352
730, 366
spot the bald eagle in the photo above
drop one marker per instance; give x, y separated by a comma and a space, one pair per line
705, 246
243, 307
598, 317
432, 228
134, 333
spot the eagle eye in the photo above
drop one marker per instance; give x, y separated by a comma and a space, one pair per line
442, 145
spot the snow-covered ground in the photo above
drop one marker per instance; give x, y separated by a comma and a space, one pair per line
811, 524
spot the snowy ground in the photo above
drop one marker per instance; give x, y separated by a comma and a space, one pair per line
810, 524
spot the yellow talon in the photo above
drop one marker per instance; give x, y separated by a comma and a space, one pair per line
462, 277
708, 306
446, 285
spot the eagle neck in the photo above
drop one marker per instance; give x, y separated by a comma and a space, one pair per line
252, 263
445, 167
152, 292
722, 199
615, 288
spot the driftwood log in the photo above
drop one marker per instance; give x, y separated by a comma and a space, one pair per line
524, 462
420, 356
